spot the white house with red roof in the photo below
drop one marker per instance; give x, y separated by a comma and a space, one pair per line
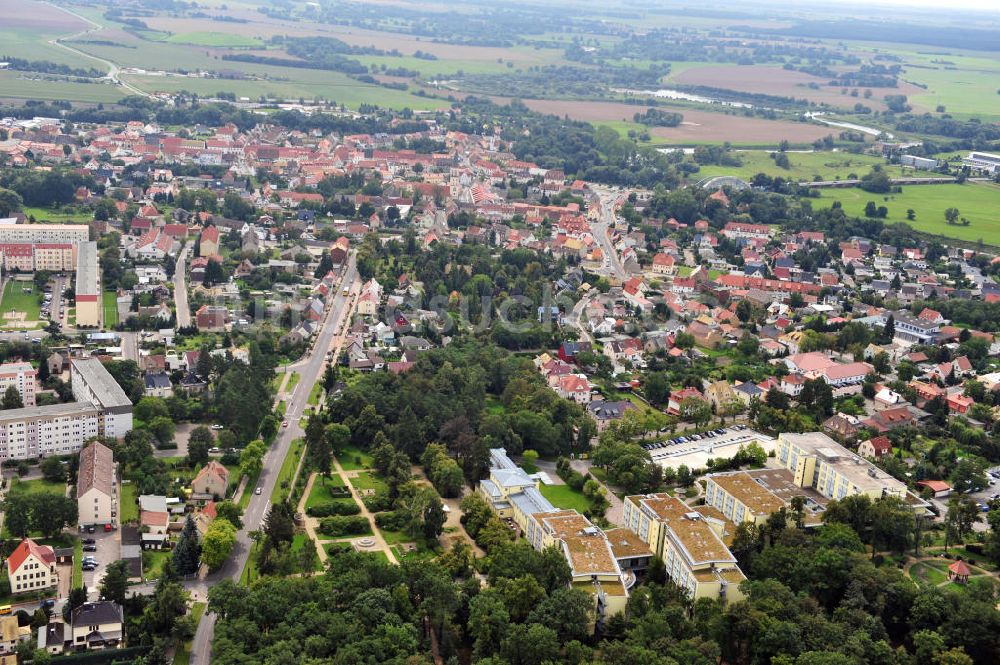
674, 406
575, 387
32, 567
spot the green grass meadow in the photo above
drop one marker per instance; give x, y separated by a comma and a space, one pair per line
979, 202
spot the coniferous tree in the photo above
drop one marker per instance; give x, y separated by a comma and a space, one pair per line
187, 553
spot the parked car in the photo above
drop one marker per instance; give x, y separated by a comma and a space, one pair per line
89, 541
90, 548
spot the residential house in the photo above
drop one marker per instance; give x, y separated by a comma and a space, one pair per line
157, 384
675, 405
575, 387
721, 395
31, 568
875, 448
209, 243
96, 487
93, 625
211, 318
11, 634
211, 481
605, 412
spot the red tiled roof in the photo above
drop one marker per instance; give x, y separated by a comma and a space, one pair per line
43, 553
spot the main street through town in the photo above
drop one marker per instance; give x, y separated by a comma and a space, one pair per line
601, 226
253, 517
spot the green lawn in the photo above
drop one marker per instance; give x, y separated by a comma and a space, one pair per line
128, 508
39, 486
929, 573
110, 300
248, 491
283, 485
153, 562
183, 654
979, 202
299, 541
320, 492
78, 564
366, 480
293, 381
565, 497
354, 459
20, 296
315, 393
58, 215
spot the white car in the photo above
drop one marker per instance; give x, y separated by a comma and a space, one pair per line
257, 491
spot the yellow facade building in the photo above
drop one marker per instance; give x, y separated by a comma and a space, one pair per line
513, 494
690, 543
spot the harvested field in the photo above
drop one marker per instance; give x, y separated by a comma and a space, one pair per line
38, 16
405, 44
698, 126
771, 80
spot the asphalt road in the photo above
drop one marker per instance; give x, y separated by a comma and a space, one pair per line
310, 372
180, 289
612, 262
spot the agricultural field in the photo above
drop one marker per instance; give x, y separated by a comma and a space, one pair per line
212, 39
979, 202
807, 166
773, 80
698, 127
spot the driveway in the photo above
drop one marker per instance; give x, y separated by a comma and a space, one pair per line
109, 549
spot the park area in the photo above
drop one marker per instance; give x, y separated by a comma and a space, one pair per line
977, 202
20, 305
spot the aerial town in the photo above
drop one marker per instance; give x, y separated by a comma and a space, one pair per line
248, 360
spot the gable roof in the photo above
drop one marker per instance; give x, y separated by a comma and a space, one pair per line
27, 548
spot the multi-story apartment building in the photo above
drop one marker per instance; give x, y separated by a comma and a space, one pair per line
39, 431
14, 233
92, 383
88, 286
96, 490
25, 257
55, 257
513, 494
689, 541
20, 375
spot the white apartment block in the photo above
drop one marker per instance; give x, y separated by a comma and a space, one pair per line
92, 383
22, 376
13, 233
40, 431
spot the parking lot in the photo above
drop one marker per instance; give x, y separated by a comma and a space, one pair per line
694, 450
108, 545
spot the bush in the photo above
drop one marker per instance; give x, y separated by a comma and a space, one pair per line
343, 525
393, 521
333, 508
378, 502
